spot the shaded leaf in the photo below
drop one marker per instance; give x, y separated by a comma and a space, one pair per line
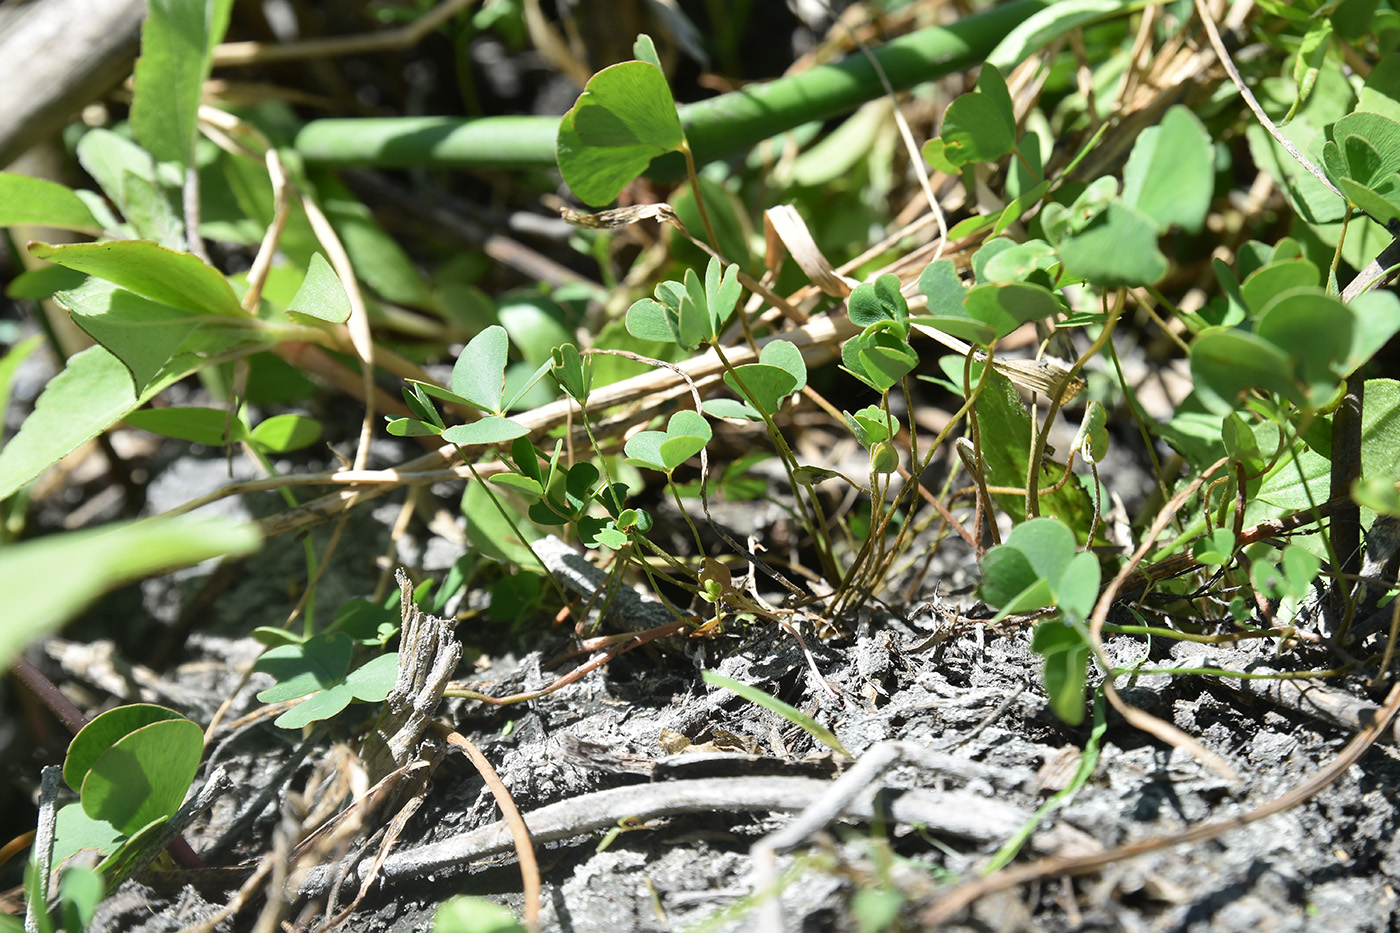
625, 117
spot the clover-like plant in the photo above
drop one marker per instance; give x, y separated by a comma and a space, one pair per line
131, 768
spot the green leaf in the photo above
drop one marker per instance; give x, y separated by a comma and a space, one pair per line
1006, 440
992, 85
625, 117
730, 408
768, 386
881, 301
1216, 550
10, 363
1381, 94
1267, 282
647, 320
573, 372
76, 832
947, 306
781, 371
1225, 363
143, 334
1010, 583
1380, 439
871, 425
150, 211
92, 392
944, 288
478, 376
144, 775
1020, 262
304, 668
1116, 248
181, 280
41, 283
1312, 52
176, 41
686, 435
975, 130
80, 890
211, 427
1066, 666
1381, 203
1315, 330
1048, 545
1376, 318
110, 158
721, 293
1091, 441
1353, 18
489, 532
1377, 494
878, 358
1003, 308
109, 557
100, 734
492, 429
1078, 587
372, 681
935, 153
282, 433
377, 258
321, 295
791, 713
323, 704
785, 355
1170, 175
37, 201
462, 914
411, 427
644, 50
692, 319
886, 360
1368, 146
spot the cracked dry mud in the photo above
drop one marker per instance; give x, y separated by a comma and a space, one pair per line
990, 753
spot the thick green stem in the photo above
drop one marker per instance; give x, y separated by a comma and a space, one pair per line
717, 128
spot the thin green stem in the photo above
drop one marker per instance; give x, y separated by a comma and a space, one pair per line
685, 514
699, 197
821, 535
510, 520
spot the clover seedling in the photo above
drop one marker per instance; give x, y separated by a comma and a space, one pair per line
880, 355
131, 767
1040, 566
686, 435
478, 381
1361, 157
688, 313
779, 372
319, 669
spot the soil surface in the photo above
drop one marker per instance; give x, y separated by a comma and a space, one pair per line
711, 775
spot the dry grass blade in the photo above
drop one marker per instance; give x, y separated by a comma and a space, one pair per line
787, 226
520, 833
